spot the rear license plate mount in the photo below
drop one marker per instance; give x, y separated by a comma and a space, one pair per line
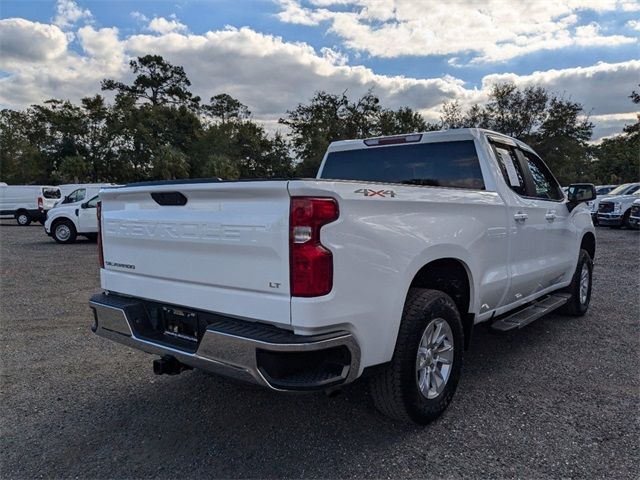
180, 324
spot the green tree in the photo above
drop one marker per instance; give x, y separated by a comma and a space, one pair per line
224, 107
157, 82
329, 117
21, 161
555, 127
617, 159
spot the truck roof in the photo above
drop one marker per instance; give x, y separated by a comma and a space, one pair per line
427, 137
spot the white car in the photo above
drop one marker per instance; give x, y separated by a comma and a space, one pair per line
65, 222
27, 203
381, 266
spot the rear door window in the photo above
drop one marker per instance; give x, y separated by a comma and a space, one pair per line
51, 193
438, 164
511, 168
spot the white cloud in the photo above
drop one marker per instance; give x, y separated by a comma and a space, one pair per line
635, 24
602, 88
163, 26
68, 13
263, 71
333, 56
26, 41
492, 30
103, 44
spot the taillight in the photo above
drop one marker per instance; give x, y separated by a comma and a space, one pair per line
40, 203
100, 251
310, 263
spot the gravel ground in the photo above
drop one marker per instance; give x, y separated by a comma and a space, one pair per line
557, 399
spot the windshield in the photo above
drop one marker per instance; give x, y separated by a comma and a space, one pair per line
437, 164
51, 192
620, 189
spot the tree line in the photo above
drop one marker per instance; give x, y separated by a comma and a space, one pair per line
156, 128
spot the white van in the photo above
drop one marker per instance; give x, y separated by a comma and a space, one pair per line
78, 193
27, 203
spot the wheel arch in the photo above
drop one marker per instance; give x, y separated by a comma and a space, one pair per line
453, 276
588, 243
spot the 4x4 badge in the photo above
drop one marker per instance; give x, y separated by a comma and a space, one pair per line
367, 192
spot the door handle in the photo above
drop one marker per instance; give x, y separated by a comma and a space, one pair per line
551, 216
520, 217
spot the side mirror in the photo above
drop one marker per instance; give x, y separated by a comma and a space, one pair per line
579, 193
84, 205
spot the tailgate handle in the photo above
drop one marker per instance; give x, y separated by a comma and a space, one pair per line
169, 198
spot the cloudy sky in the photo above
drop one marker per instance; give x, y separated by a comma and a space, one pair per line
273, 54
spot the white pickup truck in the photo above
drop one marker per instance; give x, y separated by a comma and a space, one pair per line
381, 266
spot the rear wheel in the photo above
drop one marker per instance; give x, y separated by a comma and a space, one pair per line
419, 382
64, 232
580, 287
23, 218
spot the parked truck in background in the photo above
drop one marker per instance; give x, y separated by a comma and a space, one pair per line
634, 214
379, 267
620, 190
615, 210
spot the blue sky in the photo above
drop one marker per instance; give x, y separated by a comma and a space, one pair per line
410, 52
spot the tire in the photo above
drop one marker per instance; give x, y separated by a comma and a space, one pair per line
23, 219
625, 219
92, 237
396, 388
578, 304
63, 231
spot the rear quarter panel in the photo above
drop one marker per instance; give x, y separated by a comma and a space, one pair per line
380, 243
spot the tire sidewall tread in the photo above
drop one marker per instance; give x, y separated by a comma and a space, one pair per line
573, 306
72, 228
394, 389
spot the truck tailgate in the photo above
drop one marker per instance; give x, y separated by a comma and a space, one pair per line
226, 250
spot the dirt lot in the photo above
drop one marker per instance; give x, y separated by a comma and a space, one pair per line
557, 399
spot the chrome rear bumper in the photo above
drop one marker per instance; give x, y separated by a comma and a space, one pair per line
239, 349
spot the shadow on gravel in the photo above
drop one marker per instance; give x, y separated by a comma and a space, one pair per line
245, 431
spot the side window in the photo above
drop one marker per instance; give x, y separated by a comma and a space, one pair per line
93, 202
545, 185
511, 169
76, 195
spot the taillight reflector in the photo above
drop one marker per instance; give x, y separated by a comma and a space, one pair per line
310, 262
40, 203
100, 250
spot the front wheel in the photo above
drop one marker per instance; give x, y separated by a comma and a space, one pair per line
580, 287
419, 382
64, 232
